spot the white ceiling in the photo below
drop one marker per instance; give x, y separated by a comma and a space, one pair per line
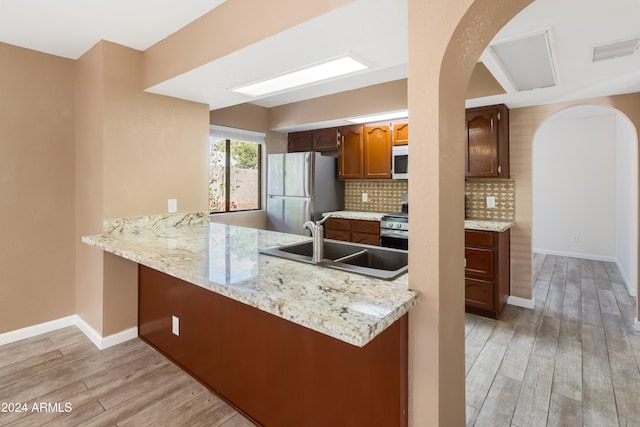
69, 28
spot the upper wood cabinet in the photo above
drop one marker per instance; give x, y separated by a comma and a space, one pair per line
325, 139
487, 150
299, 141
400, 133
313, 140
351, 159
377, 151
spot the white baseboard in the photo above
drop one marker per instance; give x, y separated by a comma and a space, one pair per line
521, 302
576, 255
35, 330
627, 283
75, 320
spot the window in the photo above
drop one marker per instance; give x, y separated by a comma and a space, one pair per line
235, 170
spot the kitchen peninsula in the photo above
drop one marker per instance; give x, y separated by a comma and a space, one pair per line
287, 343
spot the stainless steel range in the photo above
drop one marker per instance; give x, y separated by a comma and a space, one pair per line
394, 229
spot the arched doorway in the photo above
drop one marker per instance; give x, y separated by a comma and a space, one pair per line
585, 188
445, 40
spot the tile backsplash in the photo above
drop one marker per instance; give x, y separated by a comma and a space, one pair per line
384, 195
475, 199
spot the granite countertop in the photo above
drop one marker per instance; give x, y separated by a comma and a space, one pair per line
487, 225
225, 260
367, 216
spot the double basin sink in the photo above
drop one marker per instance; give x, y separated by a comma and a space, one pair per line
372, 261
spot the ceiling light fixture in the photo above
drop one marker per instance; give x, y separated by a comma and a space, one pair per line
380, 117
523, 62
315, 73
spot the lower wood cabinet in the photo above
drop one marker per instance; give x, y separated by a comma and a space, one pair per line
353, 230
487, 281
275, 372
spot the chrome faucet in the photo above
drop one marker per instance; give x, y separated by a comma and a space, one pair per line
317, 233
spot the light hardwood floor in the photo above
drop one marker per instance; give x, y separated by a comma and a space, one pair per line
126, 385
573, 361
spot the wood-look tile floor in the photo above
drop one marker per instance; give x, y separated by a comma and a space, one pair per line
126, 385
572, 361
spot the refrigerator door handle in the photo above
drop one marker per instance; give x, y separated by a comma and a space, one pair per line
307, 174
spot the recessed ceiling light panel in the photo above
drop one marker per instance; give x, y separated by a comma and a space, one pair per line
313, 74
380, 117
526, 61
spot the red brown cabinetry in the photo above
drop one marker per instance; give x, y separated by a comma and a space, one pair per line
351, 158
353, 230
486, 272
400, 133
313, 140
487, 149
276, 372
377, 151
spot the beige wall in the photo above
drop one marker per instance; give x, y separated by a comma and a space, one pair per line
523, 125
445, 40
389, 96
135, 151
37, 113
216, 34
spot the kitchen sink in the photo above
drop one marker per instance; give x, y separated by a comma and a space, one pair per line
372, 261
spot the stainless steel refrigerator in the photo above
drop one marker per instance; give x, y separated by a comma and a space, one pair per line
300, 187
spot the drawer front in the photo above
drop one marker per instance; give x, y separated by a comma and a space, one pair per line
478, 238
344, 235
338, 224
365, 226
479, 262
366, 238
479, 293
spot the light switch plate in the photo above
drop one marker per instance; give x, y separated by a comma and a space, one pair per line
172, 205
491, 202
175, 326
365, 197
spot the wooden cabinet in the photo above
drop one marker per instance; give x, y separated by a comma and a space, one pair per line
313, 140
487, 149
325, 139
274, 371
353, 230
487, 282
299, 141
377, 151
351, 158
400, 133
365, 152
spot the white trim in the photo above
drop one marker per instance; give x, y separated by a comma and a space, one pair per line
75, 320
636, 324
576, 255
521, 302
235, 133
35, 330
627, 283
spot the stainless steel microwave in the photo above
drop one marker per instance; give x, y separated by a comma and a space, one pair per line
400, 163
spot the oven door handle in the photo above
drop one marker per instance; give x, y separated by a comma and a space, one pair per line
398, 234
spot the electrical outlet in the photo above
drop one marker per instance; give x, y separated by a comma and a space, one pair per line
491, 202
172, 205
365, 197
175, 326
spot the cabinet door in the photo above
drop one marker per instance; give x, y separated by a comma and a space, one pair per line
325, 139
487, 153
365, 238
482, 144
479, 262
479, 293
401, 133
336, 234
299, 141
351, 157
377, 151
